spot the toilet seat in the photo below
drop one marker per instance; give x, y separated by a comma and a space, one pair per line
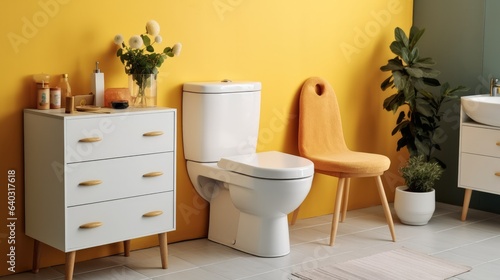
269, 165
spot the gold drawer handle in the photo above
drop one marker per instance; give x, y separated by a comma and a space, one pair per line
90, 139
91, 225
90, 183
153, 214
497, 173
498, 143
153, 133
153, 174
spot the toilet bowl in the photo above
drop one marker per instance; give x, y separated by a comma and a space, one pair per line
250, 194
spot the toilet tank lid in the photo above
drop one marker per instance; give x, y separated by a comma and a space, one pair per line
221, 87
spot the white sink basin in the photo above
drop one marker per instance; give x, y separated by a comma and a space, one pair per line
483, 109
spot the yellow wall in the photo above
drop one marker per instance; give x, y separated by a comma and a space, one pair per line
277, 42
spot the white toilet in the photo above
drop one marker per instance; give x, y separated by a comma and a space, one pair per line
250, 194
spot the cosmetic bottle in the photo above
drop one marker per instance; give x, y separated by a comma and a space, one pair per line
97, 86
65, 89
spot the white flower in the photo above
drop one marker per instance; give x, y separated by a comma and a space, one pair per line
176, 49
118, 39
158, 39
135, 42
152, 28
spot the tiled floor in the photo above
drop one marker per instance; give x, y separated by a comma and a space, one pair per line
475, 243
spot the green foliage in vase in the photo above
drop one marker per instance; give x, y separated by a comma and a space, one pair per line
139, 57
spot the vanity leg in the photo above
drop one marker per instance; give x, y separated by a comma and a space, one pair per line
465, 208
36, 256
126, 248
163, 249
70, 265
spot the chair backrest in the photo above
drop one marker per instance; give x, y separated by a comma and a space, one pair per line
320, 125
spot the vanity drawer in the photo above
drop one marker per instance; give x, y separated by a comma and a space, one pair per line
480, 141
118, 220
102, 180
119, 135
480, 173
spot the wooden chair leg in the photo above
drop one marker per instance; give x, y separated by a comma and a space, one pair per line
36, 257
163, 249
336, 211
70, 265
294, 216
126, 248
385, 205
465, 208
346, 198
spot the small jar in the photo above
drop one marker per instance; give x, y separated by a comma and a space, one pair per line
43, 98
55, 98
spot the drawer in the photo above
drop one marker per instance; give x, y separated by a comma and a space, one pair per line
481, 141
118, 136
478, 173
101, 180
118, 220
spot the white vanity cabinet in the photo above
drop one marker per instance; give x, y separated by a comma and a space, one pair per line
479, 159
94, 178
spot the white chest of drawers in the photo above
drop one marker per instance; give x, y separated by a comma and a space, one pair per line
94, 179
479, 159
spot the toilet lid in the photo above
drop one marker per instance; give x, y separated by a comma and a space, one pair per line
269, 165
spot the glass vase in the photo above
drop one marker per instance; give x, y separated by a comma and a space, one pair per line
142, 90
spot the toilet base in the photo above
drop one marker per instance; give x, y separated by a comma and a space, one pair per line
264, 237
259, 236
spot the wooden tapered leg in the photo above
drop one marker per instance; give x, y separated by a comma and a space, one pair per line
163, 249
294, 216
465, 208
336, 213
36, 257
70, 265
385, 205
346, 198
126, 248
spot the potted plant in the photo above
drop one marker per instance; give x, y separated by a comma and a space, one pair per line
415, 202
419, 108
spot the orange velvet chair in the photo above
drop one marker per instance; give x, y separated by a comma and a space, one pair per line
321, 140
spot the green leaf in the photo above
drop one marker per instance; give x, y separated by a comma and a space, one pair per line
401, 117
399, 80
431, 82
150, 48
400, 126
415, 72
415, 35
393, 65
392, 102
405, 55
430, 73
119, 52
396, 47
413, 56
160, 61
146, 40
387, 83
401, 37
424, 62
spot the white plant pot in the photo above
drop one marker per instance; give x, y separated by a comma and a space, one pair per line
414, 208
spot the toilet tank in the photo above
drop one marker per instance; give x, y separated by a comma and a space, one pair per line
220, 119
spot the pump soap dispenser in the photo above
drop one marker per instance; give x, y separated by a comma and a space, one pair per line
97, 86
